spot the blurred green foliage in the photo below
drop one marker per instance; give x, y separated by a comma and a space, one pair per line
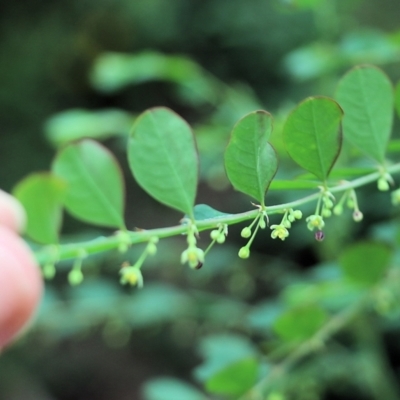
73, 69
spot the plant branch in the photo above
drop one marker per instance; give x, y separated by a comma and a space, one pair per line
56, 253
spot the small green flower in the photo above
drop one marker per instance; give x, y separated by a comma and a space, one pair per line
279, 231
193, 256
315, 222
131, 275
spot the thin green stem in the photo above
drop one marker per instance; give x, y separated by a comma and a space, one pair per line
53, 254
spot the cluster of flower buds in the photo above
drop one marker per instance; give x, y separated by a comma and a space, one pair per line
247, 232
281, 230
350, 198
219, 235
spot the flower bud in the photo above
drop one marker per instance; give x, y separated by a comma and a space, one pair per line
338, 209
358, 216
244, 252
383, 184
262, 224
214, 234
319, 236
246, 232
75, 276
221, 238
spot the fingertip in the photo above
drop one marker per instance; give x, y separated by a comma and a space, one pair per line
21, 285
12, 213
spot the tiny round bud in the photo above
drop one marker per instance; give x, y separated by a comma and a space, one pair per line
328, 202
319, 236
246, 232
291, 218
49, 271
383, 184
214, 234
262, 224
244, 252
338, 209
358, 216
151, 249
286, 224
326, 213
297, 214
221, 238
350, 202
75, 276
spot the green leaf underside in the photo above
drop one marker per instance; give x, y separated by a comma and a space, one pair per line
300, 323
95, 187
366, 262
312, 135
250, 161
234, 380
203, 212
366, 96
163, 158
41, 195
170, 389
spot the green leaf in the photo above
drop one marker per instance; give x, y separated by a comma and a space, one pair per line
366, 262
75, 124
163, 158
312, 135
41, 194
220, 351
300, 323
234, 380
95, 187
204, 211
366, 95
250, 161
170, 389
397, 98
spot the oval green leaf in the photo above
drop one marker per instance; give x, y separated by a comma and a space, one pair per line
163, 158
300, 323
312, 135
366, 262
234, 380
95, 187
42, 194
250, 161
366, 95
